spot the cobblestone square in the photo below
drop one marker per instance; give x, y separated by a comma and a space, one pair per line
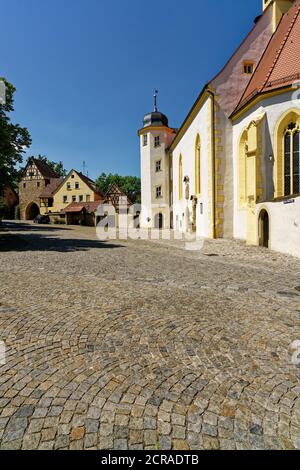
144, 345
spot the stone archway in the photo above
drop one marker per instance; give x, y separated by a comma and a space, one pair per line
264, 229
32, 211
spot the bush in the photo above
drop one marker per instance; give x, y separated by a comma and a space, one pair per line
59, 222
2, 208
17, 213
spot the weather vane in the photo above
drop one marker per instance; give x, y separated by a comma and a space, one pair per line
155, 100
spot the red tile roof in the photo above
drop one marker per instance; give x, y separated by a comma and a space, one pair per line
280, 65
90, 207
45, 170
50, 188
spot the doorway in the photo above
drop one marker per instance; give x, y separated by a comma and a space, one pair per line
159, 221
264, 229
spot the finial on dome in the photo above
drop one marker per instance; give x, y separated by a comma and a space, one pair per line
155, 100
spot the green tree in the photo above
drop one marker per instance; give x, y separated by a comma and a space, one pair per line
130, 185
14, 139
2, 208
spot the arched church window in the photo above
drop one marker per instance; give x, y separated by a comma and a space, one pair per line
198, 166
292, 160
242, 170
180, 179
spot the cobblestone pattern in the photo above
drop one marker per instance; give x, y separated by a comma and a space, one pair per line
141, 345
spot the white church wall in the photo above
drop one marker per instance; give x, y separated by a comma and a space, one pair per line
284, 218
186, 148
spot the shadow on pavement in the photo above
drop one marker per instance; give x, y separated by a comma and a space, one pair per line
30, 227
35, 241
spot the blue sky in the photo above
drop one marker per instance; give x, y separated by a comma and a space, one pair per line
85, 70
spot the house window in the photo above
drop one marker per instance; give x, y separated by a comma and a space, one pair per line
74, 198
77, 186
158, 166
145, 140
248, 68
73, 176
88, 198
157, 141
80, 198
65, 199
68, 186
292, 160
158, 192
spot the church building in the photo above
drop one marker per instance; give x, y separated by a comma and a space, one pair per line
232, 169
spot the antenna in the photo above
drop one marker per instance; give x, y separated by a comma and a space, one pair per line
84, 169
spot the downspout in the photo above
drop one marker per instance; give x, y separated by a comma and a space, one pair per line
213, 162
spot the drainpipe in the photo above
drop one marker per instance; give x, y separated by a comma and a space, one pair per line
213, 167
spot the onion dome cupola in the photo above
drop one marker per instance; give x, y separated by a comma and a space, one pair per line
155, 119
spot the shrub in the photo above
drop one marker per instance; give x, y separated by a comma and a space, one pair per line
17, 213
59, 222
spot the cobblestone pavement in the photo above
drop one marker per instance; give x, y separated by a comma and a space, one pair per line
142, 345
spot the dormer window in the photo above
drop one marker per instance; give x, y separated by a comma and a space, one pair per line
248, 68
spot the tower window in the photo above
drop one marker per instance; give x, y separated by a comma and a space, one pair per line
248, 68
158, 166
158, 192
157, 141
145, 140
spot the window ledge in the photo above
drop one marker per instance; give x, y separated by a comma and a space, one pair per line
284, 198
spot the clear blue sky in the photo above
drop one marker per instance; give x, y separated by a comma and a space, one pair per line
85, 70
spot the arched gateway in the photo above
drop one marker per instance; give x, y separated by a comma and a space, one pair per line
32, 211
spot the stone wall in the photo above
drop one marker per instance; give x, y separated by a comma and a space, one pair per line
30, 193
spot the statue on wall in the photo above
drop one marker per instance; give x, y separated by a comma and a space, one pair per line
187, 187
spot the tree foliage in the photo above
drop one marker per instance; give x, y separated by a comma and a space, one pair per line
130, 185
14, 140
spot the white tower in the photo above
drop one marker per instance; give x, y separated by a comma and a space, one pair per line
155, 138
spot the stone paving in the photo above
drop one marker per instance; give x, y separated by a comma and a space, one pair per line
143, 345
